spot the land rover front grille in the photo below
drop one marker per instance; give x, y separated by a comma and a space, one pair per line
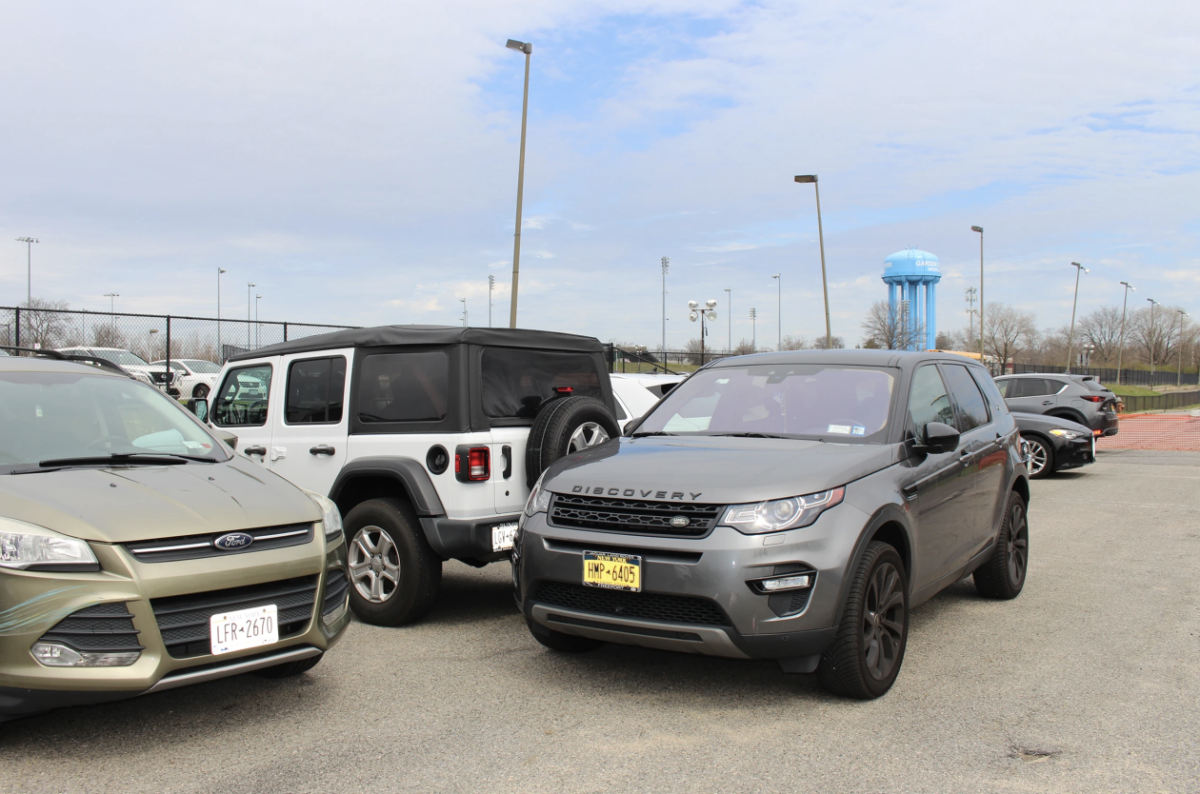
645, 606
193, 547
672, 519
103, 628
183, 620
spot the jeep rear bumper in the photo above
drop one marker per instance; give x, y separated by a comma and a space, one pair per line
468, 540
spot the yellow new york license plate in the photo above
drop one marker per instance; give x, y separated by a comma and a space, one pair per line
614, 571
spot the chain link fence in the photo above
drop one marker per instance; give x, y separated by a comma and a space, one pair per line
153, 337
1108, 375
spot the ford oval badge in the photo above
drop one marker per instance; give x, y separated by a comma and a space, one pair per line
233, 541
680, 521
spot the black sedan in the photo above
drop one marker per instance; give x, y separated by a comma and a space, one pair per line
1055, 443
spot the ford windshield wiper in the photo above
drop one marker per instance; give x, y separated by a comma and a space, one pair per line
143, 458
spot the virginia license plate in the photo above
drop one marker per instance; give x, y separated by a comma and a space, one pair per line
502, 536
613, 571
243, 628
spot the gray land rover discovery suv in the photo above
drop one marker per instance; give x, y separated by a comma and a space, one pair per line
793, 506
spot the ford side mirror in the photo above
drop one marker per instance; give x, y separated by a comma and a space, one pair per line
940, 438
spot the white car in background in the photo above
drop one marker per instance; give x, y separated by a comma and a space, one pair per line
127, 360
637, 393
194, 377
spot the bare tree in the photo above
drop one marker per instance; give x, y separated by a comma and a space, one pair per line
1102, 330
42, 323
1154, 341
793, 343
888, 331
1006, 330
836, 343
743, 348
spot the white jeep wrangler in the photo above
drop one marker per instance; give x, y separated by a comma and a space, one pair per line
428, 439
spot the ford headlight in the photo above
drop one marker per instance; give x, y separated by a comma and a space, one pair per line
781, 514
330, 515
28, 547
1061, 433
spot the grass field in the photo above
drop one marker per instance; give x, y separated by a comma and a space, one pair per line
1132, 391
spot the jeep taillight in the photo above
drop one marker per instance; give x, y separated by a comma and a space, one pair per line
473, 464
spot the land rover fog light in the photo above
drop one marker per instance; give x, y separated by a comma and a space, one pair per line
796, 582
52, 654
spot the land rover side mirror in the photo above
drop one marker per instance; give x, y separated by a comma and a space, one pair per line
940, 438
632, 427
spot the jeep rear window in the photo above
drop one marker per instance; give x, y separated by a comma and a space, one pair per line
403, 387
517, 382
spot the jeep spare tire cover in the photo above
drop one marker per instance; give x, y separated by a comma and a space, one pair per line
564, 426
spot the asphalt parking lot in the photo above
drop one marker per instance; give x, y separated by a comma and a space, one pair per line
1090, 681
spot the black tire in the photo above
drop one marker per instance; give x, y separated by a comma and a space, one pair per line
1041, 458
200, 392
289, 669
555, 429
868, 650
1003, 575
563, 643
394, 574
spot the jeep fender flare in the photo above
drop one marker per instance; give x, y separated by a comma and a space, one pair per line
408, 473
888, 514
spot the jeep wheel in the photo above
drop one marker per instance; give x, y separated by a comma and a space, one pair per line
1041, 458
867, 652
557, 641
564, 427
1003, 576
289, 669
394, 573
200, 392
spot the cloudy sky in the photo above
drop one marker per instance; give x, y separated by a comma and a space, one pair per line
358, 161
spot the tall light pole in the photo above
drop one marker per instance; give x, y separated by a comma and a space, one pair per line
491, 286
1121, 347
805, 179
1079, 269
29, 241
220, 270
980, 230
464, 303
257, 326
1153, 303
112, 314
729, 317
526, 48
666, 265
779, 310
1179, 349
753, 330
249, 290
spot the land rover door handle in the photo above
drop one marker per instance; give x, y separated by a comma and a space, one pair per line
321, 449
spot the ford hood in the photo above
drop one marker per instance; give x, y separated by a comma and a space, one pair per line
129, 503
716, 470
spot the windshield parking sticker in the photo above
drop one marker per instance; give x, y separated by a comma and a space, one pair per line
858, 430
843, 429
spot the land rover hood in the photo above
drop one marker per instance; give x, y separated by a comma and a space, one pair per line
130, 503
715, 470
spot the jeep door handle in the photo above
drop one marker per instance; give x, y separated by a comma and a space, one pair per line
255, 451
321, 449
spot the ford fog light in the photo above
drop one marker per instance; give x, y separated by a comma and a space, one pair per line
52, 654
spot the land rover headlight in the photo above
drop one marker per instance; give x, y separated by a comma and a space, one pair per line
780, 514
1062, 433
330, 515
28, 547
539, 498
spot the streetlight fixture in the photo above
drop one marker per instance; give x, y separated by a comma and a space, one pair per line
526, 48
753, 330
220, 270
980, 230
666, 266
779, 310
29, 241
1070, 334
1121, 347
1153, 303
464, 303
249, 289
257, 324
491, 286
805, 179
729, 317
1179, 349
709, 312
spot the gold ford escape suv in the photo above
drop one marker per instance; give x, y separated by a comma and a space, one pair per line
137, 554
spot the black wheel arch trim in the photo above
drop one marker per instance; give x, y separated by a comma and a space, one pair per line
409, 473
888, 514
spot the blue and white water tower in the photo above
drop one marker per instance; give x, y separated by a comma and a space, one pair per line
912, 276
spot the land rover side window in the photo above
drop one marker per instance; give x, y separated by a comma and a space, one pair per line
972, 408
403, 387
994, 395
242, 399
928, 401
517, 382
314, 391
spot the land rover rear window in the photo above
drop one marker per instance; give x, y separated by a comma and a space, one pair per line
517, 382
403, 387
